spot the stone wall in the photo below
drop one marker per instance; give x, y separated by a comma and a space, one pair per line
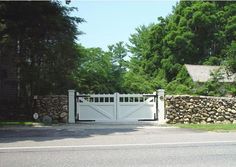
51, 108
200, 109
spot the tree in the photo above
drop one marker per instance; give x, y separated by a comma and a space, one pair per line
196, 32
119, 53
231, 57
93, 73
99, 71
40, 36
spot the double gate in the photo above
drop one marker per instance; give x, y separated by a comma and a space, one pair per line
116, 107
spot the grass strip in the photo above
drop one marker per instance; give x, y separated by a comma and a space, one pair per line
6, 123
209, 127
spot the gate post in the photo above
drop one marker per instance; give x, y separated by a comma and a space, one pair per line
161, 106
71, 99
116, 104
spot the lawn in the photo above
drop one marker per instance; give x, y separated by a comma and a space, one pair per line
209, 127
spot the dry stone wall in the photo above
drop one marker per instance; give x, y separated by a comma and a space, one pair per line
51, 108
200, 109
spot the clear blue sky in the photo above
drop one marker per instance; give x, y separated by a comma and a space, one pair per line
108, 22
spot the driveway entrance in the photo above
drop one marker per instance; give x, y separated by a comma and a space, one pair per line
116, 107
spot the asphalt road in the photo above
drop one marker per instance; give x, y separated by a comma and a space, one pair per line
115, 146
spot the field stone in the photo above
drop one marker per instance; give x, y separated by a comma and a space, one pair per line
63, 114
200, 109
233, 111
65, 119
54, 106
227, 116
47, 120
226, 122
203, 122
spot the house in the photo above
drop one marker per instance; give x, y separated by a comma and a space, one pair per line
203, 73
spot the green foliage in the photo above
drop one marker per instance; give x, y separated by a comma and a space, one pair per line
137, 83
175, 87
231, 90
119, 53
11, 123
213, 60
160, 80
99, 71
42, 45
92, 72
197, 32
209, 127
212, 87
231, 57
182, 84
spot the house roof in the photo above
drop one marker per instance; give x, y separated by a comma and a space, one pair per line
202, 73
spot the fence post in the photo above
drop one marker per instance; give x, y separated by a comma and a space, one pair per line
161, 106
71, 96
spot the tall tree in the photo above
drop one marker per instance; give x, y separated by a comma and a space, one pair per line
99, 71
40, 36
196, 32
93, 73
231, 57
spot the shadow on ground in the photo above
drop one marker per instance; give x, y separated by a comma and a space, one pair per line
80, 131
8, 135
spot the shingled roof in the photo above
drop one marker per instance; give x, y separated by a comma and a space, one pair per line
202, 73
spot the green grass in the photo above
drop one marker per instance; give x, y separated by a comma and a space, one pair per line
209, 127
6, 123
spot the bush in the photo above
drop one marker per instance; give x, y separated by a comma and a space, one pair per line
231, 90
175, 87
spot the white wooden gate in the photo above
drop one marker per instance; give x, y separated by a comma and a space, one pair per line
116, 107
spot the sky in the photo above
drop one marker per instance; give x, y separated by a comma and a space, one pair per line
108, 22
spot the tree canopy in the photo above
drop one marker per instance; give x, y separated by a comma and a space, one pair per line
197, 32
40, 38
